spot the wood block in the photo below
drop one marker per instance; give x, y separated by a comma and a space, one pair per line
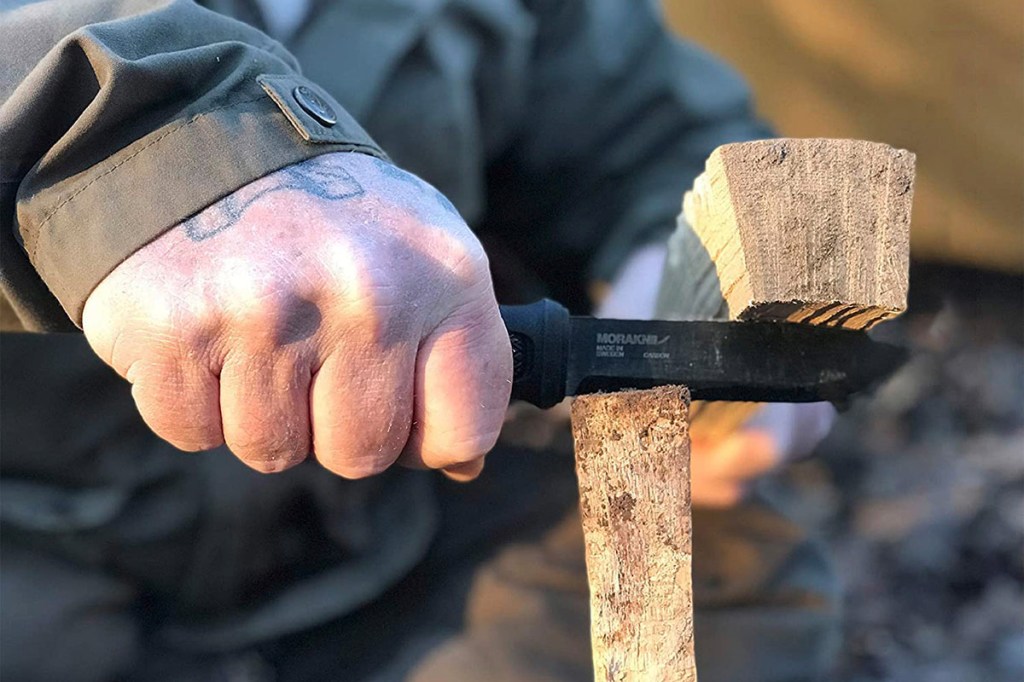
814, 231
633, 464
804, 230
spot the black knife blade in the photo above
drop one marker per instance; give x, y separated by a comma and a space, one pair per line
556, 355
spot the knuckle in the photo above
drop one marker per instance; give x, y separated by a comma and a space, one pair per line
258, 298
156, 388
365, 457
367, 453
373, 306
271, 465
152, 341
169, 425
268, 451
362, 416
197, 445
257, 310
197, 441
353, 468
193, 327
352, 273
359, 279
465, 449
200, 431
467, 260
368, 293
164, 338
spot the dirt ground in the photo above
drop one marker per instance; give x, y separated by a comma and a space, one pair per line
920, 492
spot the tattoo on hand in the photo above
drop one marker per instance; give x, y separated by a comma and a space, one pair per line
395, 173
317, 177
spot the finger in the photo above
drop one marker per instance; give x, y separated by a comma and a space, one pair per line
177, 394
715, 493
721, 471
796, 427
463, 473
463, 380
740, 456
179, 401
265, 408
361, 410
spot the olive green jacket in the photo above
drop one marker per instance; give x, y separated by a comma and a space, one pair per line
564, 131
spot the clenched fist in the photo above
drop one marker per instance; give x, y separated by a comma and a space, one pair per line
339, 306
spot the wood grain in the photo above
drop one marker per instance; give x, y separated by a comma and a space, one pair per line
807, 230
814, 231
633, 464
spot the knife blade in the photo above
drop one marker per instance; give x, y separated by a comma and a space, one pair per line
557, 355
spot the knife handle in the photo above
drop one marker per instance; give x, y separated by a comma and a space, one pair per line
539, 334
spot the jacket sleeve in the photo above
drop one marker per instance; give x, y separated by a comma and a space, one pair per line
121, 118
619, 120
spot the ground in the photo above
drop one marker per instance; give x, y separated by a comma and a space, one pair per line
920, 492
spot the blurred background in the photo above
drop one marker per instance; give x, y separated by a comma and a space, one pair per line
920, 489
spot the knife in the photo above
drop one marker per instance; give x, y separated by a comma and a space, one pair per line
557, 355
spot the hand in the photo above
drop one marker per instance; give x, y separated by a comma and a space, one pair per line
339, 306
722, 470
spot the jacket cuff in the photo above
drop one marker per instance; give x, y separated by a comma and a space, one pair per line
113, 209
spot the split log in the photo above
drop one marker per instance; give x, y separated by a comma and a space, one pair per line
814, 231
633, 464
807, 231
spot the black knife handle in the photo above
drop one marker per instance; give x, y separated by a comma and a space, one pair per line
539, 334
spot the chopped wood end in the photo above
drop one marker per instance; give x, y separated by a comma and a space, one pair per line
820, 313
